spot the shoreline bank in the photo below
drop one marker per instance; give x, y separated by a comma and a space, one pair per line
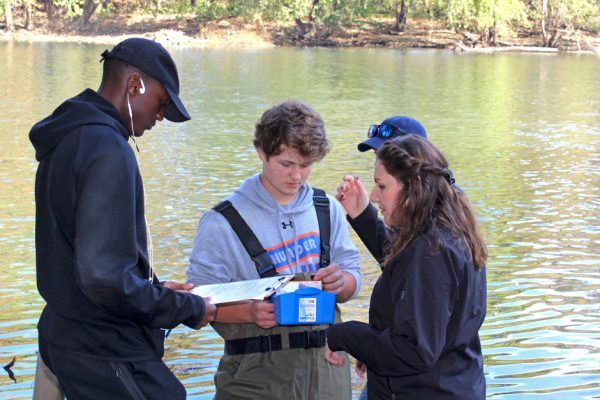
186, 31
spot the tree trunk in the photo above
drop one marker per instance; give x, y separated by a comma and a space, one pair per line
28, 15
202, 28
553, 39
89, 7
49, 8
401, 10
312, 9
484, 36
260, 26
10, 24
544, 15
304, 29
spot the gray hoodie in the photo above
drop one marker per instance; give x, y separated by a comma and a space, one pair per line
289, 233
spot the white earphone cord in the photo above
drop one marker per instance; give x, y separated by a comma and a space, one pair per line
131, 120
150, 246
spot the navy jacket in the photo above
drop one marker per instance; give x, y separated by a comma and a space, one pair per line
377, 237
90, 236
426, 308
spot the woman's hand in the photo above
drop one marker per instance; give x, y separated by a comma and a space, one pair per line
334, 280
331, 277
352, 195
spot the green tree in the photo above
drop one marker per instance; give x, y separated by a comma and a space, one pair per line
82, 9
461, 13
400, 14
557, 17
490, 18
207, 10
497, 17
433, 8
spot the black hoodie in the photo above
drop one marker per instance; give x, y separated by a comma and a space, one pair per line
91, 254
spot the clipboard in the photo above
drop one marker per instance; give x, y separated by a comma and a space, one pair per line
254, 289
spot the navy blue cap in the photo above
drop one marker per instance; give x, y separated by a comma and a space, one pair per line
404, 126
154, 60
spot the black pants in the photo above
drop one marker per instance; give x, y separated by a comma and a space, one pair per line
89, 378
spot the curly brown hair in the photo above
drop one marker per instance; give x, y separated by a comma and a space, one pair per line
429, 200
295, 125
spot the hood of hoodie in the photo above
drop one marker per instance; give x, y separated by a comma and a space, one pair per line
87, 108
254, 191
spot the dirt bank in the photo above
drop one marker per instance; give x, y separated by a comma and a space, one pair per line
188, 30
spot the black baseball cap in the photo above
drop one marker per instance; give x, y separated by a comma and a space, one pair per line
153, 59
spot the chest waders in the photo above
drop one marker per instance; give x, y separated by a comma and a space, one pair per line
283, 362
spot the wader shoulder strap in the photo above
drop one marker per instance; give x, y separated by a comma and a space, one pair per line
257, 252
322, 206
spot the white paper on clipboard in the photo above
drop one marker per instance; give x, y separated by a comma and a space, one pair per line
255, 289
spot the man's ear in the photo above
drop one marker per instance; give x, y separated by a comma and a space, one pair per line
261, 154
135, 85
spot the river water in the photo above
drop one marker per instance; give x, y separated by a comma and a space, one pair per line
521, 131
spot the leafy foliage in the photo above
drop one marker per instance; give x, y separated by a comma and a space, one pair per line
488, 18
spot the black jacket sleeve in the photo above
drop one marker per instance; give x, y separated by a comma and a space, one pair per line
112, 267
371, 230
422, 287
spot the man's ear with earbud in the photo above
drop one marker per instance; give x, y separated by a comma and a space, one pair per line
136, 86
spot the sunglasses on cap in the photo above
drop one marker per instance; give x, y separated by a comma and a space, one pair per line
384, 131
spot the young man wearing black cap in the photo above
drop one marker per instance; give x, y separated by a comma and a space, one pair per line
100, 332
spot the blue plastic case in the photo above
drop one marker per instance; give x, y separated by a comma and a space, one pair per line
305, 306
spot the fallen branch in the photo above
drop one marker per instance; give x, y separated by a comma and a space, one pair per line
460, 47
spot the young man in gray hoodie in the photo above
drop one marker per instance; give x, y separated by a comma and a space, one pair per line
264, 360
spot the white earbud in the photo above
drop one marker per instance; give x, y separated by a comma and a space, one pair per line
143, 88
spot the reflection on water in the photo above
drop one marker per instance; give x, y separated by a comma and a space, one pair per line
522, 133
